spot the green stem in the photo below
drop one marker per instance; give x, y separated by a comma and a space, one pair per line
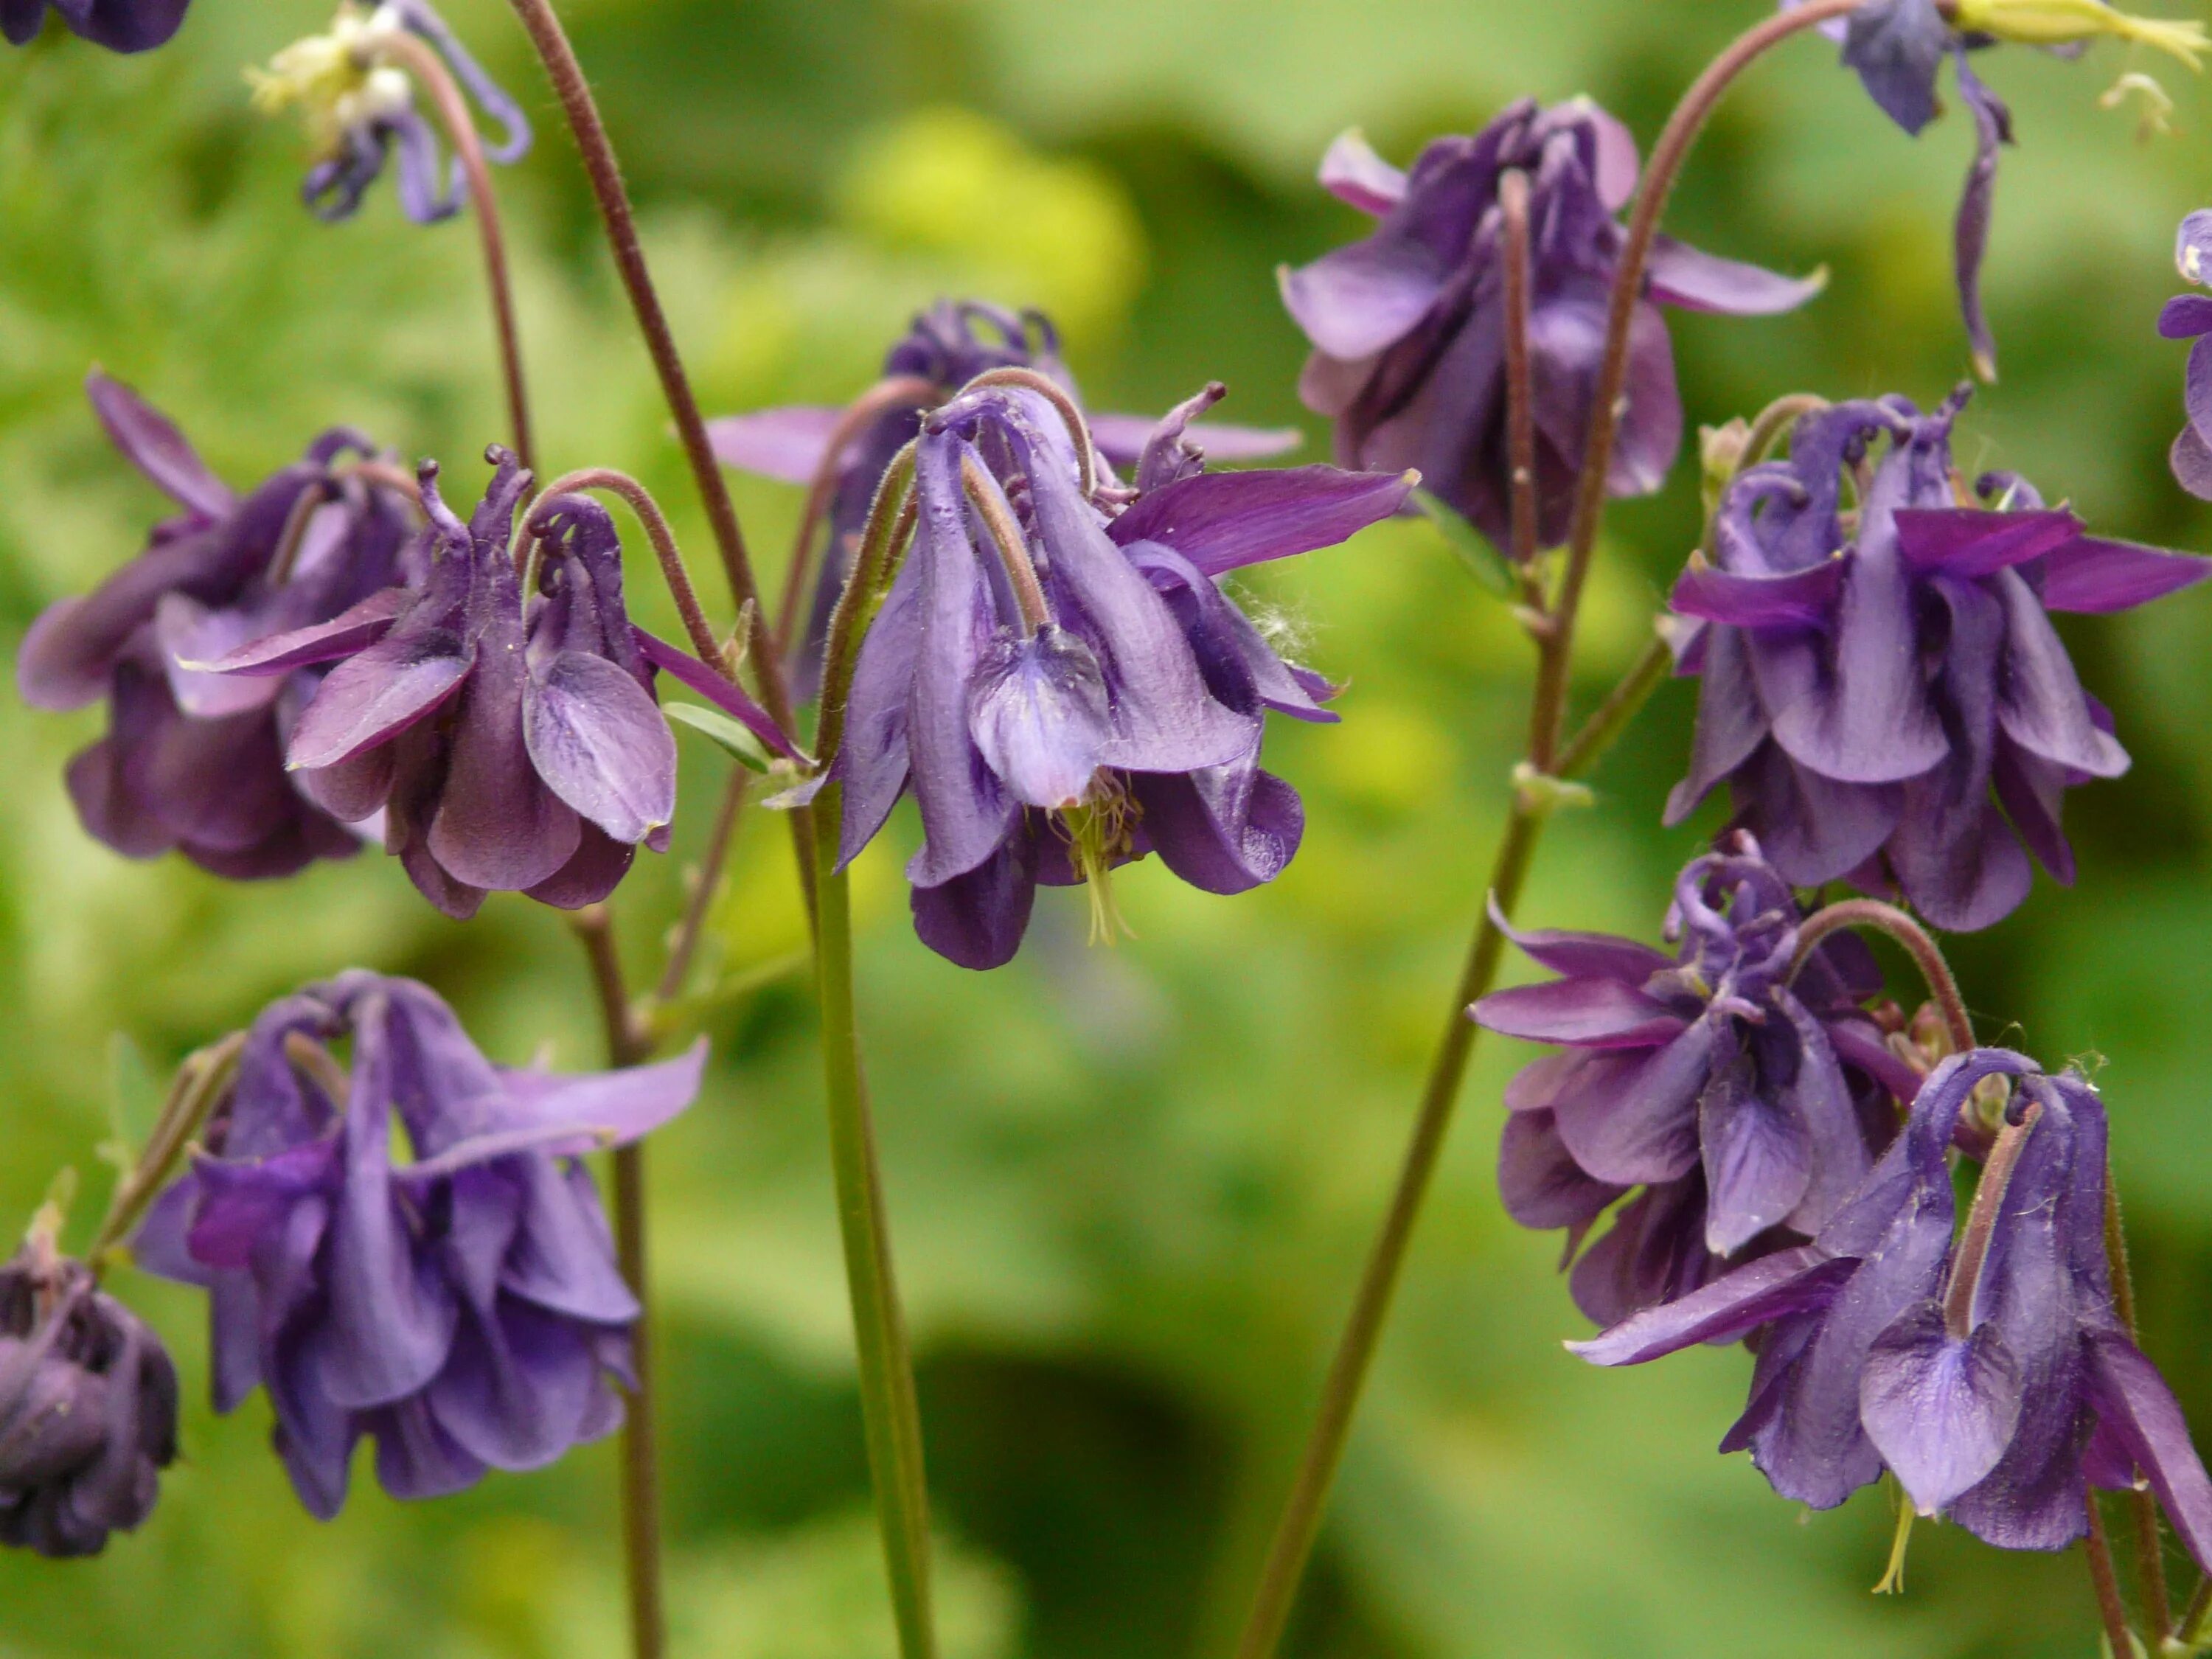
2192, 1621
889, 1408
2150, 1546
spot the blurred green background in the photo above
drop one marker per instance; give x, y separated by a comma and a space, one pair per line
1130, 1187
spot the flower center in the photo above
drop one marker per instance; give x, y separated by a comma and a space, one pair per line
1100, 829
334, 80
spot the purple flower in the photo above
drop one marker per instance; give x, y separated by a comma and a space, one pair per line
947, 346
359, 107
1063, 689
1990, 1374
1408, 324
87, 1408
1882, 690
2189, 317
118, 25
460, 1305
1747, 1105
193, 761
511, 741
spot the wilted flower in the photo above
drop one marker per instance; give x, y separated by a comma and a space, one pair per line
1876, 683
1408, 324
511, 741
1064, 690
358, 106
458, 1300
118, 25
87, 1408
193, 761
1989, 1373
947, 346
1745, 1103
1898, 47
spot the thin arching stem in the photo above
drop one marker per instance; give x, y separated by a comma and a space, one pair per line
998, 516
1078, 429
1926, 954
1520, 384
673, 570
417, 57
1774, 422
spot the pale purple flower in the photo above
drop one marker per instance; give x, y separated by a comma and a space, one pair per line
192, 760
1883, 690
118, 25
2189, 317
453, 1296
1408, 324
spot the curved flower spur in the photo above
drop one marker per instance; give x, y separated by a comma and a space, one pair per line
1064, 690
510, 738
463, 1308
193, 761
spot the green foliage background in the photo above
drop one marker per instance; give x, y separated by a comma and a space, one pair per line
1131, 1187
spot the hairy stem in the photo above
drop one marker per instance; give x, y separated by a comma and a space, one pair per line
1926, 955
198, 1085
1520, 391
2111, 1610
2150, 1544
1611, 718
673, 571
415, 57
2191, 1629
1775, 421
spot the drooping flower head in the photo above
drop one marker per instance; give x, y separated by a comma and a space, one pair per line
87, 1407
2189, 317
1988, 1372
458, 1301
1880, 686
510, 739
1897, 47
1745, 1102
1064, 690
947, 346
118, 25
193, 761
359, 107
1408, 324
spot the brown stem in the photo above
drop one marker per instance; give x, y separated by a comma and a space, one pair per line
415, 57
2150, 1544
1981, 1224
2111, 1610
673, 570
1926, 955
1776, 420
998, 516
384, 474
2191, 1629
894, 392
1078, 429
1610, 718
1668, 157
712, 863
1520, 384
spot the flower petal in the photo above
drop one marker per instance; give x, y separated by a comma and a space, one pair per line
788, 443
2135, 1407
1802, 598
1788, 1282
597, 738
352, 630
1539, 1182
1645, 1128
152, 443
725, 695
1351, 171
976, 920
1687, 276
1039, 715
1591, 1013
1354, 300
1223, 522
2095, 576
1969, 543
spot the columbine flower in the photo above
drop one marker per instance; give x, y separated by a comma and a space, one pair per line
358, 108
1408, 324
2189, 317
1871, 679
193, 761
1746, 1104
1063, 692
87, 1407
511, 741
1990, 1374
947, 346
462, 1305
1898, 47
118, 25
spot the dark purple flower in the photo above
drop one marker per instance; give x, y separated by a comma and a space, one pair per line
87, 1408
1882, 688
1408, 324
193, 761
1746, 1103
2189, 317
118, 25
1061, 707
511, 741
1990, 1374
457, 1301
359, 107
947, 346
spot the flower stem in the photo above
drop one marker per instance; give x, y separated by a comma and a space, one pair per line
1926, 955
1520, 382
1622, 704
199, 1083
684, 946
889, 1409
2111, 1610
673, 571
1775, 421
424, 64
2192, 1621
2150, 1546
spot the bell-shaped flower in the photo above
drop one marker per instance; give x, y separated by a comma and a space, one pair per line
947, 346
359, 108
193, 761
511, 740
1746, 1101
456, 1298
118, 25
1881, 688
87, 1408
1408, 324
2189, 317
1061, 681
1988, 1371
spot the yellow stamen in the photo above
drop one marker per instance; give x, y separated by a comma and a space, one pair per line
1098, 830
2060, 22
2157, 120
334, 80
1892, 1581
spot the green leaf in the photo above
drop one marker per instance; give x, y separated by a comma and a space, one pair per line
724, 733
1484, 562
134, 1096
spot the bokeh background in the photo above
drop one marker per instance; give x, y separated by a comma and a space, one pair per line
1130, 1187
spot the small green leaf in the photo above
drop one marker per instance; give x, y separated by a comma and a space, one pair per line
134, 1102
719, 729
1484, 562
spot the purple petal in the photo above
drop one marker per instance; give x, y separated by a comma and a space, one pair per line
2185, 316
1969, 543
2136, 1407
1224, 829
1649, 434
1592, 1013
1683, 275
344, 634
2095, 576
1971, 232
731, 698
415, 1458
1351, 171
1584, 956
597, 738
2190, 458
788, 444
189, 635
1811, 829
519, 1388
871, 761
1789, 1281
2190, 243
1731, 722
976, 920
365, 700
563, 1256
1940, 1410
151, 442
2042, 706
1803, 599
1354, 300
1644, 1129
1540, 1182
608, 1108
1038, 711
1223, 522
1758, 1163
